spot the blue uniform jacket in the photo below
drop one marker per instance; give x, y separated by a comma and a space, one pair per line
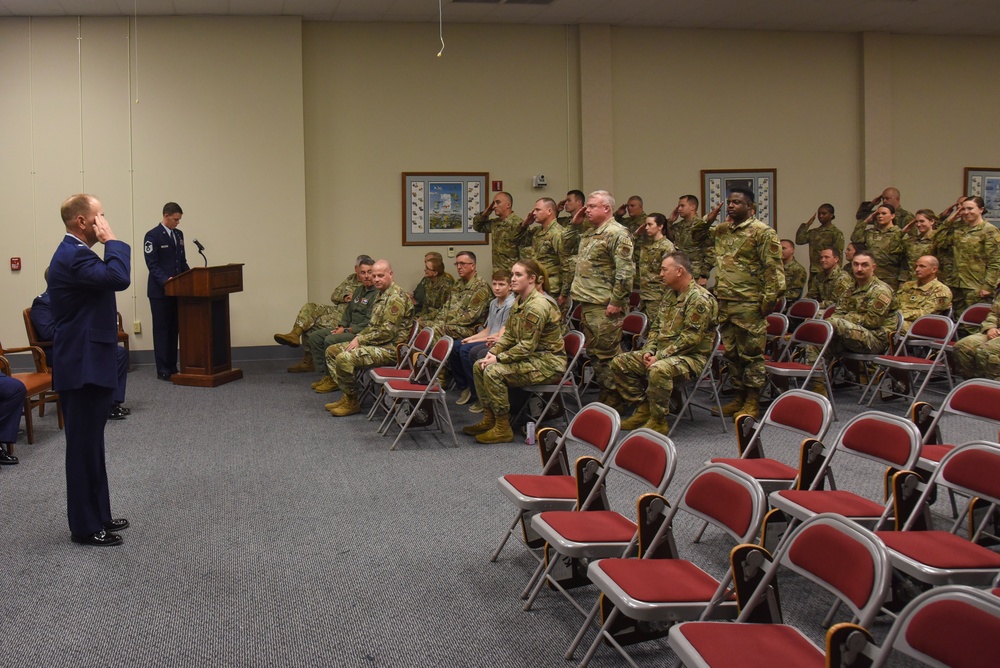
82, 290
41, 317
163, 259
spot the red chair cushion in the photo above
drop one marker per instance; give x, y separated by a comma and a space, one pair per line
544, 486
841, 502
955, 633
590, 526
761, 469
940, 549
934, 452
661, 580
751, 645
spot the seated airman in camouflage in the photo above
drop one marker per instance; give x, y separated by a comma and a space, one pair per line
390, 324
925, 294
677, 348
433, 289
978, 355
865, 317
313, 317
530, 352
830, 281
467, 304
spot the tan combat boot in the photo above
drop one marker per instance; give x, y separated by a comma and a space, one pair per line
500, 433
487, 423
819, 388
336, 404
293, 338
639, 418
733, 407
350, 406
305, 365
752, 405
658, 424
328, 384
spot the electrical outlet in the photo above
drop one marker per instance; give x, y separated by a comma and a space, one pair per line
137, 327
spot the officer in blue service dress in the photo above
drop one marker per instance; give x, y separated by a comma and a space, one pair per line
163, 248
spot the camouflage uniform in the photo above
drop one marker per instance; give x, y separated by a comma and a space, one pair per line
916, 247
431, 294
865, 318
903, 217
916, 300
465, 309
356, 317
748, 280
886, 247
795, 279
693, 239
328, 315
977, 356
943, 249
634, 225
571, 235
681, 344
530, 352
976, 257
604, 272
508, 238
819, 238
651, 287
548, 252
827, 286
391, 321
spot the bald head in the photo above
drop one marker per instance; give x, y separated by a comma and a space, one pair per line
891, 196
926, 269
382, 274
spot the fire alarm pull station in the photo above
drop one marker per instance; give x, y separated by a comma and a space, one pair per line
15, 264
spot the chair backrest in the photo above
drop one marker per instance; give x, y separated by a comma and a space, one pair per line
647, 456
976, 397
573, 343
726, 498
596, 425
803, 308
442, 349
974, 315
29, 329
801, 411
634, 299
828, 311
928, 330
777, 325
635, 323
971, 469
422, 340
890, 440
952, 625
838, 555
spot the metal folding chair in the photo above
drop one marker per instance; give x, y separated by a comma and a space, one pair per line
415, 394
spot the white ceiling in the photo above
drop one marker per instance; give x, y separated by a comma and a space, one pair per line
940, 17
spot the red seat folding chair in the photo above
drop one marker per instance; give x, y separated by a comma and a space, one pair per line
874, 437
929, 335
777, 329
411, 358
414, 394
827, 550
805, 357
634, 300
659, 588
634, 331
573, 343
972, 317
707, 375
863, 361
800, 311
595, 428
594, 530
936, 558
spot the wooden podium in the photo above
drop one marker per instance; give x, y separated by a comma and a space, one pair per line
203, 313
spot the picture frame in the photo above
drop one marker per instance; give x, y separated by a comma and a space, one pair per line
438, 207
985, 182
716, 184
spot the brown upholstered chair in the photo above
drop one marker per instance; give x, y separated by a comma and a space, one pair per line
38, 384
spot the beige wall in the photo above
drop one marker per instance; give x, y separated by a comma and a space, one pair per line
284, 141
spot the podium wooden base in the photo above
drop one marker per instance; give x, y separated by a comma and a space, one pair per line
200, 380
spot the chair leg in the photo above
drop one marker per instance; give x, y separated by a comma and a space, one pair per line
506, 537
541, 580
409, 419
534, 576
571, 650
29, 428
443, 401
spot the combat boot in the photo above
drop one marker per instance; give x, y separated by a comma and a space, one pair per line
819, 388
658, 424
639, 418
733, 407
487, 423
336, 404
326, 385
500, 433
293, 338
305, 365
752, 405
349, 407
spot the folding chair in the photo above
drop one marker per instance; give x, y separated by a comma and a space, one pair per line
634, 300
800, 311
976, 398
659, 588
634, 331
39, 388
936, 558
688, 389
777, 329
865, 360
410, 359
407, 393
952, 626
809, 341
972, 317
826, 550
573, 343
931, 333
596, 428
884, 439
593, 530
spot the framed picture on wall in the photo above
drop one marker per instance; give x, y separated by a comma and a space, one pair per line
985, 182
438, 207
717, 183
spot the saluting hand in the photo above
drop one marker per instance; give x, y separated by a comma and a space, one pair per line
103, 229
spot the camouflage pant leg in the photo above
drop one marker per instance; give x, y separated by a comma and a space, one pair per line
744, 334
330, 358
347, 362
662, 376
310, 314
966, 353
493, 381
628, 376
988, 360
603, 337
454, 331
331, 315
851, 337
314, 340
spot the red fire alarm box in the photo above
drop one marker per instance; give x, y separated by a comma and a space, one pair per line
15, 264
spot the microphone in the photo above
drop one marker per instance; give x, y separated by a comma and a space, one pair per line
201, 250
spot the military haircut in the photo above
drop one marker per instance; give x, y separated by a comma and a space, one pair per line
832, 249
548, 201
681, 260
501, 275
746, 192
510, 200
468, 254
635, 198
358, 259
789, 241
366, 261
690, 198
576, 194
171, 208
77, 205
604, 196
864, 253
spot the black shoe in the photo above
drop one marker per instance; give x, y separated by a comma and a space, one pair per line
163, 376
101, 539
6, 459
125, 410
117, 413
119, 524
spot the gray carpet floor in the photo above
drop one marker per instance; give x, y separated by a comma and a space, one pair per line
265, 532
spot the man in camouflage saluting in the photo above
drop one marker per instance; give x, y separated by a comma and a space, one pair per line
690, 234
602, 283
749, 278
530, 352
508, 237
467, 304
391, 321
548, 250
678, 347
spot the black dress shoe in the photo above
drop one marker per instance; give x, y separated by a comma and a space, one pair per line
5, 459
117, 413
125, 409
101, 539
163, 376
116, 525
